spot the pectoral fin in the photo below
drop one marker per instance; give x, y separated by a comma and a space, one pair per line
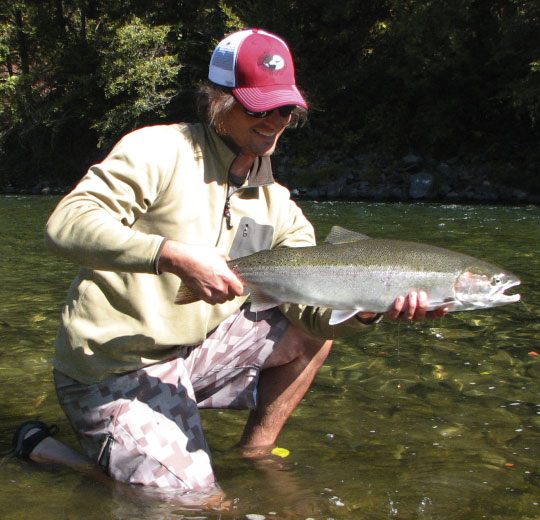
339, 316
262, 302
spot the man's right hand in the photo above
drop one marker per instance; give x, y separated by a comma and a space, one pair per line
203, 270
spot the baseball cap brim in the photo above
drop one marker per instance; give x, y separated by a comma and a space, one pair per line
259, 99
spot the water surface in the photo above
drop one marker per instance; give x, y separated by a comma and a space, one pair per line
436, 420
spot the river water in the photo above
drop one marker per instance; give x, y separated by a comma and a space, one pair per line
438, 420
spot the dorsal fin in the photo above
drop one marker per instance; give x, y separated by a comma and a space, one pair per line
340, 235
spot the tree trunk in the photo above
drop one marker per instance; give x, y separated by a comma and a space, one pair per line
60, 20
22, 41
83, 20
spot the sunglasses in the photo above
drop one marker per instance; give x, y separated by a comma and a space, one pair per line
284, 111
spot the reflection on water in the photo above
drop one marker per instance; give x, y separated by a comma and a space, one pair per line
433, 420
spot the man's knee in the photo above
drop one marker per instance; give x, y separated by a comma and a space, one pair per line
297, 345
310, 346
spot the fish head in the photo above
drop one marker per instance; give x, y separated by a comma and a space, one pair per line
485, 288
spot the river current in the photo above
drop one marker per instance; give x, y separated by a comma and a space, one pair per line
435, 420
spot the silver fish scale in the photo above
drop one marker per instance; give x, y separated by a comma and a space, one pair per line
390, 254
364, 275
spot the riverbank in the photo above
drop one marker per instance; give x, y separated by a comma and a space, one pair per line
367, 177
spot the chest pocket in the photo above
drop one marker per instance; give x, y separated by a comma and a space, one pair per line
250, 238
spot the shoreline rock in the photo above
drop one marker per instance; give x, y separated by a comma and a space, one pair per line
410, 180
366, 178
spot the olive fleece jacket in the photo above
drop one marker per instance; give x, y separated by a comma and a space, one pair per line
158, 182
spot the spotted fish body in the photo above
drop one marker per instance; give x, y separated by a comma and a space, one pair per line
353, 273
368, 275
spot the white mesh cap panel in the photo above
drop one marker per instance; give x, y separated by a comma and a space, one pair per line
222, 64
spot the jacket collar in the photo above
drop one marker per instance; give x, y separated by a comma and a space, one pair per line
261, 171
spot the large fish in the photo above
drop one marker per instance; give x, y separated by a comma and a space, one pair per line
352, 273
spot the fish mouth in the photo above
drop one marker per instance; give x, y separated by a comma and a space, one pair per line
501, 295
494, 298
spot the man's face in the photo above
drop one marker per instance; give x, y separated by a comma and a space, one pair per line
254, 136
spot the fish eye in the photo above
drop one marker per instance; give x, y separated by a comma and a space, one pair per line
496, 280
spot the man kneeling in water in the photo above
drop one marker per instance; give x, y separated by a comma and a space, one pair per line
170, 205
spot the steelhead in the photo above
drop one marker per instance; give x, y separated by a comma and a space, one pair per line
350, 273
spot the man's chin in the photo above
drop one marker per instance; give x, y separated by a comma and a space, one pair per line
268, 151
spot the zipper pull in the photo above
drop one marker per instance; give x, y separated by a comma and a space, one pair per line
227, 214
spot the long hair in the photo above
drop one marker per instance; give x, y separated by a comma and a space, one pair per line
214, 101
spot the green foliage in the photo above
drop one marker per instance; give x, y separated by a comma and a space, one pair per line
137, 76
453, 77
438, 78
76, 74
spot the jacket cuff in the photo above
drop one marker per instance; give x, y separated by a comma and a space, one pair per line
158, 256
370, 321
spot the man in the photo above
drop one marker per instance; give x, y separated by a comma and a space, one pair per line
169, 206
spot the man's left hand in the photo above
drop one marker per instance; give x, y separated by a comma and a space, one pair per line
409, 308
414, 308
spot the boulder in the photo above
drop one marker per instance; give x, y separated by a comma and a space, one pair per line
422, 185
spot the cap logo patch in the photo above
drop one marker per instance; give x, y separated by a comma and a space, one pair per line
273, 62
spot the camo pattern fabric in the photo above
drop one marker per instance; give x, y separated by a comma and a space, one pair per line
144, 427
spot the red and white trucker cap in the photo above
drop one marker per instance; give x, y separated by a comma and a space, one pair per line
258, 67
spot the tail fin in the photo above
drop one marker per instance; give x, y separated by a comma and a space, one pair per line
185, 296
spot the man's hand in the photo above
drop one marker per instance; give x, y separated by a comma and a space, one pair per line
413, 308
409, 308
203, 269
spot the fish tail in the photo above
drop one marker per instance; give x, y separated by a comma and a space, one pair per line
185, 295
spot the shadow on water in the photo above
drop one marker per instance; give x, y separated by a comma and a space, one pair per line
426, 421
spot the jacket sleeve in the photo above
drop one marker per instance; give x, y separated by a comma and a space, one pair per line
295, 231
314, 321
95, 224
